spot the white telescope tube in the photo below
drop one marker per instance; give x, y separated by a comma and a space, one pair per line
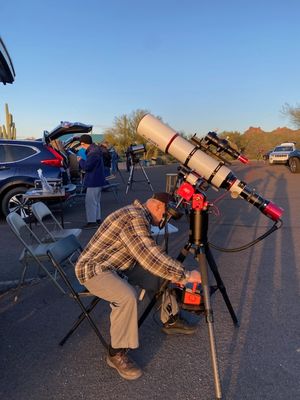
171, 142
213, 171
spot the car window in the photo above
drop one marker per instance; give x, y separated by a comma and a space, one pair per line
283, 148
14, 152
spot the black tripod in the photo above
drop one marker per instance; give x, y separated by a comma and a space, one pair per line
135, 162
120, 173
198, 245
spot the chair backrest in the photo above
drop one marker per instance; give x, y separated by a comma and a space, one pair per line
63, 249
41, 211
16, 222
19, 227
61, 252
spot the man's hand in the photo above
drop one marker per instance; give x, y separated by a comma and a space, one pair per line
194, 276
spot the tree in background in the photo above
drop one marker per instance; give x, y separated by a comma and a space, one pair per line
234, 138
123, 133
293, 113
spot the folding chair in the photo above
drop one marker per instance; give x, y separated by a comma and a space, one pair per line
59, 253
54, 230
32, 251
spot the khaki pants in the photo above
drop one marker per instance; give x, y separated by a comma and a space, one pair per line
122, 296
123, 302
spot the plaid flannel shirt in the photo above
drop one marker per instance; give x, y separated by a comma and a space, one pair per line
123, 239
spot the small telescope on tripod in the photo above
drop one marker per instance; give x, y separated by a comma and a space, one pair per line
203, 163
134, 152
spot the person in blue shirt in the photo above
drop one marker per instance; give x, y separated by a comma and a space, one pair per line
81, 153
94, 179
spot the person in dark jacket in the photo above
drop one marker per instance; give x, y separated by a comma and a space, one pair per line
94, 179
114, 161
106, 158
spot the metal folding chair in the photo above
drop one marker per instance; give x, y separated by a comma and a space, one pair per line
54, 230
59, 253
34, 249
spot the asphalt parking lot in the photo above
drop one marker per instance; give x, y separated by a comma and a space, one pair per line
258, 360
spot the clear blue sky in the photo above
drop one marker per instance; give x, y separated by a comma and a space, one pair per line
200, 64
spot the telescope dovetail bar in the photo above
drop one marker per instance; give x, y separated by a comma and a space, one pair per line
209, 164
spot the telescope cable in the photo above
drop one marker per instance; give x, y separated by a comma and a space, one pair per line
246, 246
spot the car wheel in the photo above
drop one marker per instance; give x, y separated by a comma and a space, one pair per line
13, 201
294, 164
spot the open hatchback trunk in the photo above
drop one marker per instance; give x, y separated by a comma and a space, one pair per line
7, 72
65, 139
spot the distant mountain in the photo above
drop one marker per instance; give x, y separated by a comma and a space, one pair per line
278, 131
254, 141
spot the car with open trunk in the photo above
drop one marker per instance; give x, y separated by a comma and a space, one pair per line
20, 160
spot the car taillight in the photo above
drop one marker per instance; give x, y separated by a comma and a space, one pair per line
54, 162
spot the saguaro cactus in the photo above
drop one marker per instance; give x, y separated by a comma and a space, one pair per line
8, 131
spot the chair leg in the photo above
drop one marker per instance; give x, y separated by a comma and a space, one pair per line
79, 320
115, 194
50, 276
21, 281
85, 311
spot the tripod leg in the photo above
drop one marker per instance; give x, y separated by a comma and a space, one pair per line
209, 320
130, 179
184, 252
213, 266
147, 179
121, 175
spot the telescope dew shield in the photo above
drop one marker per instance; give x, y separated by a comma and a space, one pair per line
213, 171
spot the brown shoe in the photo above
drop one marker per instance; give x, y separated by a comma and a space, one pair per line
124, 365
178, 326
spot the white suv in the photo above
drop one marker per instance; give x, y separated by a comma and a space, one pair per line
281, 153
